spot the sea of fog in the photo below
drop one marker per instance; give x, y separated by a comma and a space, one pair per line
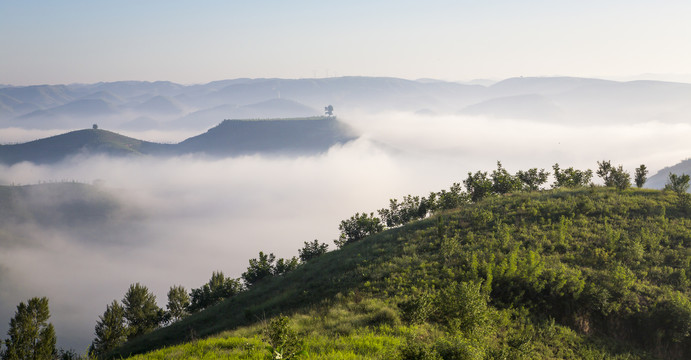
195, 215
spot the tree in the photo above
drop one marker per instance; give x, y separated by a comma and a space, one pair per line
141, 312
478, 185
284, 266
641, 176
503, 182
178, 303
284, 342
411, 208
218, 288
312, 250
604, 170
110, 330
31, 336
358, 227
532, 179
329, 110
613, 177
462, 307
259, 268
620, 178
678, 183
570, 177
445, 200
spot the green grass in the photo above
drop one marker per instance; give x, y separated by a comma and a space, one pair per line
591, 273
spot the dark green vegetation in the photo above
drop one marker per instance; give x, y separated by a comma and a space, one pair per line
31, 336
284, 136
229, 138
580, 273
80, 142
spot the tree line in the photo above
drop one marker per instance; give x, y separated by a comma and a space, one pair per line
481, 184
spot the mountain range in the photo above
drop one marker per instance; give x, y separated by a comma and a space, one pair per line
166, 105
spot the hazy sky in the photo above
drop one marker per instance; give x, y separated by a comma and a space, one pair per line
70, 41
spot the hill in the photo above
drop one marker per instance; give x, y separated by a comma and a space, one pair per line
84, 142
230, 138
660, 179
585, 273
277, 136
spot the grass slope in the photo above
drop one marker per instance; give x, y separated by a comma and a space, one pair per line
87, 141
295, 135
589, 273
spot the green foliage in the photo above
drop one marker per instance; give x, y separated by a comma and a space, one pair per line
533, 178
446, 200
141, 312
284, 342
312, 250
614, 177
409, 209
478, 185
284, 266
503, 182
218, 288
418, 309
641, 176
31, 336
672, 319
260, 268
110, 330
462, 307
571, 178
678, 183
358, 227
178, 303
575, 273
266, 266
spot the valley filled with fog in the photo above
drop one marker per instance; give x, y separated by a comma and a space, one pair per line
183, 217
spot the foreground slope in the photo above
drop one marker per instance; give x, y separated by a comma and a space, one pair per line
589, 273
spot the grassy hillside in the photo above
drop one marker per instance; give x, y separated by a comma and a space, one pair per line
87, 141
592, 273
296, 135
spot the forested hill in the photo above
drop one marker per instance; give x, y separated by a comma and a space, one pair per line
587, 273
232, 137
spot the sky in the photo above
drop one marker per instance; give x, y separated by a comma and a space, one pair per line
80, 41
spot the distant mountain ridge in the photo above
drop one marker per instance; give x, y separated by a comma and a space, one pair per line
660, 179
230, 138
167, 105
